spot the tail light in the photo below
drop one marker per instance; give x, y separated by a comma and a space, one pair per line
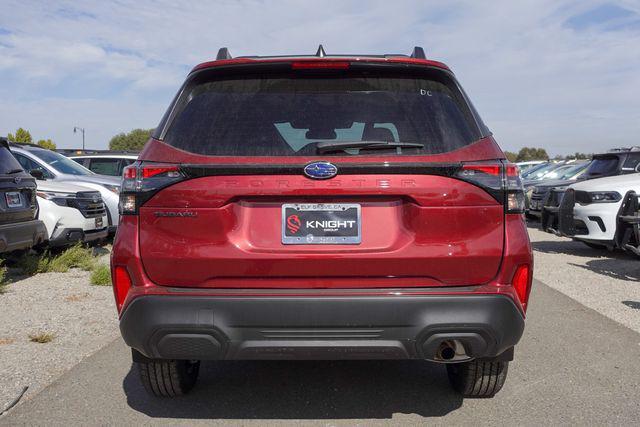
141, 180
121, 285
522, 284
501, 180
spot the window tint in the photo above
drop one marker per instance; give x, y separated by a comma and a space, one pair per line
105, 166
633, 159
8, 163
289, 116
29, 165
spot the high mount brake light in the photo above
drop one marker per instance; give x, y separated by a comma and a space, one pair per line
140, 181
320, 65
501, 180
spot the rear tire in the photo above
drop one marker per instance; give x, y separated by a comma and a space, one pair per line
478, 378
168, 378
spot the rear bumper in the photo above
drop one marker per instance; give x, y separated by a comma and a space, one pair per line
22, 235
379, 327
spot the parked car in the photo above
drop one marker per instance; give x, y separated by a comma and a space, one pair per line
559, 178
71, 213
49, 165
525, 166
534, 174
19, 226
322, 207
105, 163
627, 234
587, 211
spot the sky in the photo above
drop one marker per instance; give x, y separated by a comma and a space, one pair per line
563, 75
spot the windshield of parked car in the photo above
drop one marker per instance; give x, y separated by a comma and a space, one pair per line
60, 163
573, 170
605, 165
539, 173
290, 116
8, 163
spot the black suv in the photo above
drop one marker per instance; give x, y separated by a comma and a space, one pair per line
19, 228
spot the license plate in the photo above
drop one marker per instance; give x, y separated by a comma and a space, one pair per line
99, 222
321, 224
13, 199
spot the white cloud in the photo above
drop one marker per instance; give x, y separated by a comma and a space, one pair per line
535, 79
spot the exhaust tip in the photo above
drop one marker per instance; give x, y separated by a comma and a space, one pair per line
451, 351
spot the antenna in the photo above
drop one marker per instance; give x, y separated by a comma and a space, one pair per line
223, 53
418, 53
320, 52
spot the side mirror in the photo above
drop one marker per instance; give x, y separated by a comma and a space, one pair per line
37, 174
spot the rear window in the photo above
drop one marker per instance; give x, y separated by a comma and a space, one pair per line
289, 116
8, 163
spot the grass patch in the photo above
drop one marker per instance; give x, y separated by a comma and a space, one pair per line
101, 275
3, 275
77, 256
42, 337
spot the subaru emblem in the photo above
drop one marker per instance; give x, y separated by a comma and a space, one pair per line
320, 170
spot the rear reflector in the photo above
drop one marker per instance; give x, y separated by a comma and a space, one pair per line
320, 65
121, 285
522, 284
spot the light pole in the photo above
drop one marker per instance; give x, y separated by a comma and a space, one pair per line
75, 129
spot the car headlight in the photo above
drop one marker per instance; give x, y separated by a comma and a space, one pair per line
113, 188
59, 198
605, 196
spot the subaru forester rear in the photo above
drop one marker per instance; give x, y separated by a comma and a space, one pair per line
322, 207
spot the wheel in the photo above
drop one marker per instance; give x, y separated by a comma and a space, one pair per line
168, 378
595, 245
478, 378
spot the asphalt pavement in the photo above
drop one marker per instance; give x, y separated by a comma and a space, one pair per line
573, 366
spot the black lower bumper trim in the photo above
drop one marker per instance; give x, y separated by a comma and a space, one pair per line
197, 327
68, 236
22, 235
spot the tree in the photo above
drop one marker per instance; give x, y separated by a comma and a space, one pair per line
531, 153
47, 143
132, 141
21, 135
511, 156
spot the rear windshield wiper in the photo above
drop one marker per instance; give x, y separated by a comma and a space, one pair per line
333, 146
14, 171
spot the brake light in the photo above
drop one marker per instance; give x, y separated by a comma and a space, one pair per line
488, 169
121, 285
320, 65
522, 284
141, 180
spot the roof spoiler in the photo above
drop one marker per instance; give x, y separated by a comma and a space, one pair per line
417, 53
4, 142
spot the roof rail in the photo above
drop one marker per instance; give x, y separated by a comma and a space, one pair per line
223, 53
418, 53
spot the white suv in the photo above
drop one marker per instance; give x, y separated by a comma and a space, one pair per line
71, 213
589, 209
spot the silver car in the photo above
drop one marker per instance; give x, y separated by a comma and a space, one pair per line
48, 165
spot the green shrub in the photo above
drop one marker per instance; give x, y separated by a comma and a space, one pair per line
101, 275
76, 256
3, 272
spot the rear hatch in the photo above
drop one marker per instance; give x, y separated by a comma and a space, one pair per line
17, 190
344, 178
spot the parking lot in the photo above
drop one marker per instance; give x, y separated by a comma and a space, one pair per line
577, 363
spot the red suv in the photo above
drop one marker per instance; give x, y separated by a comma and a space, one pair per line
322, 207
